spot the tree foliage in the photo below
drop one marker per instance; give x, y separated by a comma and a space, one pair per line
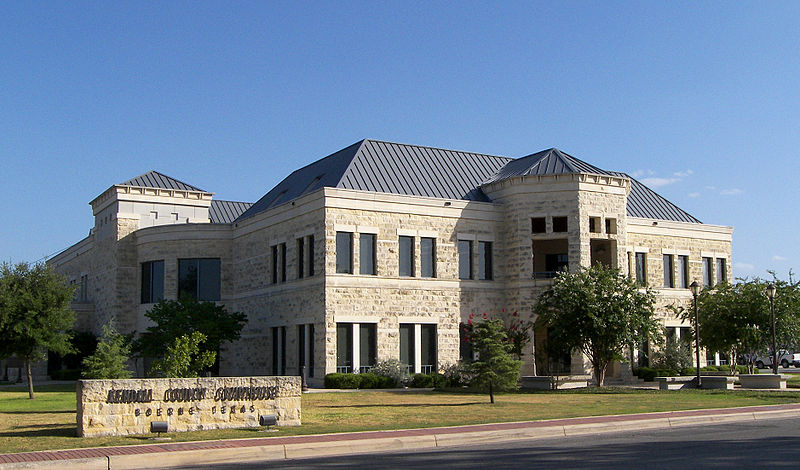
494, 370
110, 359
35, 314
184, 357
599, 312
174, 318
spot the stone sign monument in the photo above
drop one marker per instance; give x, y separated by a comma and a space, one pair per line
120, 407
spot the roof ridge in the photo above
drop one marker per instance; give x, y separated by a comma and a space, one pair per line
439, 148
195, 188
357, 152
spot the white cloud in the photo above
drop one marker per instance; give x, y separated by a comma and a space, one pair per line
731, 192
779, 258
682, 174
694, 195
639, 173
656, 182
744, 266
711, 188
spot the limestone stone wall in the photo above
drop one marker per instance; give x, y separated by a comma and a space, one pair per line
121, 407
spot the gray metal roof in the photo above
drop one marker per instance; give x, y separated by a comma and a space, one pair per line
154, 179
225, 212
372, 165
547, 162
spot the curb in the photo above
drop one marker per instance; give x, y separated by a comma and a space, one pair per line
297, 447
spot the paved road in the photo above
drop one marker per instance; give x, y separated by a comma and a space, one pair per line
767, 444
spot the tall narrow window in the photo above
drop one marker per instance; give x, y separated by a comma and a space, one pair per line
344, 347
428, 349
311, 255
199, 278
641, 268
152, 281
406, 251
279, 350
722, 272
282, 254
669, 280
344, 252
368, 346
708, 269
683, 272
305, 349
465, 259
485, 261
367, 254
301, 255
275, 264
427, 257
85, 288
407, 346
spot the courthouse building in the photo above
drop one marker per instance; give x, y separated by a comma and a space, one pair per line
380, 250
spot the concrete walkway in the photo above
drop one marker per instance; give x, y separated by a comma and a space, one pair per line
165, 455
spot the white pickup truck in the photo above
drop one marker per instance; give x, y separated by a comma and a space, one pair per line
786, 359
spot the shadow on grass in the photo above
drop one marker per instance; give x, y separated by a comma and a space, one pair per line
48, 431
35, 412
404, 405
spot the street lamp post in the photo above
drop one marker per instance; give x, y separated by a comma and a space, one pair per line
771, 295
695, 288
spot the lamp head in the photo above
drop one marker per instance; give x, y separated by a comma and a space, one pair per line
771, 291
695, 288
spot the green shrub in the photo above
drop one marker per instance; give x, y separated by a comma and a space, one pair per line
421, 381
439, 380
386, 382
368, 380
648, 374
391, 368
457, 375
342, 381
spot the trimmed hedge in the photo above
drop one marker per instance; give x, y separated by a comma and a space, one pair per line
648, 375
434, 380
352, 381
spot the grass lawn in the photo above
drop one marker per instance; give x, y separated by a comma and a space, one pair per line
48, 422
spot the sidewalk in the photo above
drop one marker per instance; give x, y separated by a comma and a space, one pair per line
165, 455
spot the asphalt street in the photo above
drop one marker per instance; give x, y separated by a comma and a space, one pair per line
764, 444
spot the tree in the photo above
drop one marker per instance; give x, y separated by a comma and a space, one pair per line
35, 313
495, 369
174, 318
675, 354
599, 312
184, 357
110, 359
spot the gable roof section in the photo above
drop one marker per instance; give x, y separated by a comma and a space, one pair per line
225, 212
386, 167
154, 179
547, 162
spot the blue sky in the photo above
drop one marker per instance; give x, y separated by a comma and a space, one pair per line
700, 100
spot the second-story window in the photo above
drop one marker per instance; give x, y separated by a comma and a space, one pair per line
152, 281
367, 254
344, 252
722, 272
427, 257
199, 278
641, 268
669, 280
279, 263
465, 259
708, 269
683, 272
406, 254
485, 270
301, 257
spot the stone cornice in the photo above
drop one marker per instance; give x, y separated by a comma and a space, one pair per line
120, 192
570, 181
72, 252
641, 226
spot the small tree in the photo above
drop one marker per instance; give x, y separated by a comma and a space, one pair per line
599, 312
675, 354
174, 318
184, 357
110, 359
35, 314
495, 369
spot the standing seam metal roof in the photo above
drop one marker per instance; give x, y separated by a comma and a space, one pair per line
154, 179
225, 212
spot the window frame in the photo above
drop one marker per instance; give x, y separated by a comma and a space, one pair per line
342, 243
405, 252
468, 257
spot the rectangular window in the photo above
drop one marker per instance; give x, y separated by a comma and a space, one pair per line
594, 224
538, 225
344, 347
279, 350
275, 263
485, 261
367, 254
611, 226
406, 261
722, 272
641, 268
427, 257
368, 346
708, 268
85, 288
407, 346
556, 262
310, 255
683, 272
152, 281
344, 252
465, 259
282, 254
199, 278
301, 255
560, 224
305, 349
428, 362
669, 280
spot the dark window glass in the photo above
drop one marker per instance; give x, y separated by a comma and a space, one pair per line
669, 280
301, 348
282, 250
368, 347
428, 349
538, 225
465, 347
427, 255
300, 257
465, 259
683, 272
406, 250
407, 346
199, 278
311, 255
366, 254
560, 224
556, 262
152, 281
641, 268
344, 252
279, 350
708, 268
311, 350
275, 264
722, 274
344, 347
485, 261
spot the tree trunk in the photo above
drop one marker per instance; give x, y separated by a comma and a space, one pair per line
491, 391
30, 378
600, 374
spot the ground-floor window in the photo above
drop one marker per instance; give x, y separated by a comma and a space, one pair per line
279, 350
418, 346
305, 349
356, 347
